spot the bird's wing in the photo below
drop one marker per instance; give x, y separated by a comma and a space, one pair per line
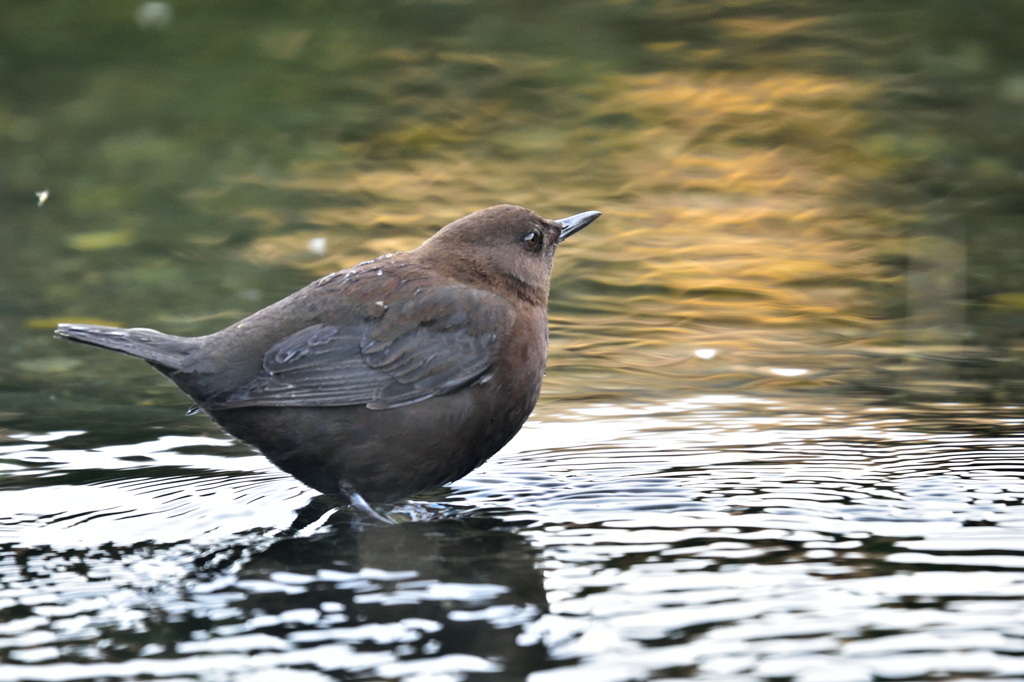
431, 344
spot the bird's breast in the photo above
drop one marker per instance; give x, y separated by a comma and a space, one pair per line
522, 355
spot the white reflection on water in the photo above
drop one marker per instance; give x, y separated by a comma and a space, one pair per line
714, 538
140, 492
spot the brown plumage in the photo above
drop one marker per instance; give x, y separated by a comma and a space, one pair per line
386, 379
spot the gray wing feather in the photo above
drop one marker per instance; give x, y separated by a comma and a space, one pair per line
382, 362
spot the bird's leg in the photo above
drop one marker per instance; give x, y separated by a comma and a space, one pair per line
362, 505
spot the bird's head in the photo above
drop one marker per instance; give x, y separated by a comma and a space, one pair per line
509, 248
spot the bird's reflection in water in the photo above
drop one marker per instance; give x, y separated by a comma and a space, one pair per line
447, 586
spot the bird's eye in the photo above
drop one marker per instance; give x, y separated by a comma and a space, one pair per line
533, 240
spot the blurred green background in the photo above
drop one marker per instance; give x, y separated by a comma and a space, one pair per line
825, 194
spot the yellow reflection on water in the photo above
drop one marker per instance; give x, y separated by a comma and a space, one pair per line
734, 216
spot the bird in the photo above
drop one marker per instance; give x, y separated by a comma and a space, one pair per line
389, 378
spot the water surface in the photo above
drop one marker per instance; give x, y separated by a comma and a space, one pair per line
781, 429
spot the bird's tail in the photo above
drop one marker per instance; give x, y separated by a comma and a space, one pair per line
159, 349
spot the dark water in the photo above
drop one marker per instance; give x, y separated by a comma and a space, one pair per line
782, 427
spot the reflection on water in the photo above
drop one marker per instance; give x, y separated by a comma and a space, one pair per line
779, 181
706, 538
780, 435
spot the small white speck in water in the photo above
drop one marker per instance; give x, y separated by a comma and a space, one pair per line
788, 371
154, 15
318, 245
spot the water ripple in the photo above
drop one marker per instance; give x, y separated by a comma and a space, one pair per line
720, 537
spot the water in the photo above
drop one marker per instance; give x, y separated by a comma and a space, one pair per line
688, 539
781, 430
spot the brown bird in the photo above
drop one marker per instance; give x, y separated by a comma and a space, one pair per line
394, 376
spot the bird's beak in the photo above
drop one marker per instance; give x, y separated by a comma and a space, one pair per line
575, 223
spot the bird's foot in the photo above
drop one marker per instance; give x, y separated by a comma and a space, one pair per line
361, 504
